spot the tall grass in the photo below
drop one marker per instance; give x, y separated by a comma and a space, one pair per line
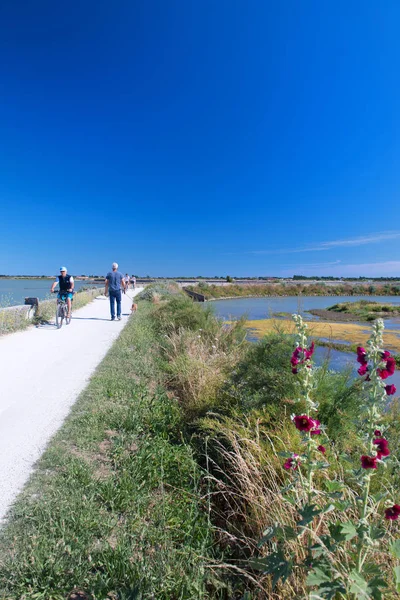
236, 290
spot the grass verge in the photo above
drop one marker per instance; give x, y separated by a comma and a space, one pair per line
114, 509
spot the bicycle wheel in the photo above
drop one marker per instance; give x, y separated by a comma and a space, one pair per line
59, 316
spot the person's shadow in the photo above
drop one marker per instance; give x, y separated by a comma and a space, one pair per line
88, 319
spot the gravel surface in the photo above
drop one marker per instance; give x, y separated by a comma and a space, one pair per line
43, 370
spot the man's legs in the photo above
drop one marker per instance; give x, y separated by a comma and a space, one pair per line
118, 299
69, 307
112, 305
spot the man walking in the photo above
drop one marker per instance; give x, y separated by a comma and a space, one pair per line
114, 281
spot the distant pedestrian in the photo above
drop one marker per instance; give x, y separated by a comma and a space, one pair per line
133, 282
127, 281
114, 282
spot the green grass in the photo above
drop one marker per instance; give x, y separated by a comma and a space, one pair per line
366, 310
237, 290
115, 505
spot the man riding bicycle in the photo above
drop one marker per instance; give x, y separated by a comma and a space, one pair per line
66, 283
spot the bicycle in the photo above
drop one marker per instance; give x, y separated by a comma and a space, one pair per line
62, 309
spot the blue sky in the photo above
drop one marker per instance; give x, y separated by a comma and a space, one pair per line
187, 138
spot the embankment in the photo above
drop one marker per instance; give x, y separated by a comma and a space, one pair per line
169, 469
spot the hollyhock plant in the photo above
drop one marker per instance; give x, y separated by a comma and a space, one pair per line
316, 430
393, 513
390, 389
356, 531
361, 355
389, 368
368, 462
301, 354
291, 463
304, 423
382, 447
363, 369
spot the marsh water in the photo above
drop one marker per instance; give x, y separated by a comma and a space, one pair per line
14, 291
264, 308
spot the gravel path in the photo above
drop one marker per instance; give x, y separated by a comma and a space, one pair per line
43, 370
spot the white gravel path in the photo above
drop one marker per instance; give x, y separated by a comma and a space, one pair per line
42, 371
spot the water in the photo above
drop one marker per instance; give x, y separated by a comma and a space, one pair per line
263, 308
14, 291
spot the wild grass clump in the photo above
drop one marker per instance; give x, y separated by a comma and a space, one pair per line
197, 351
159, 290
12, 319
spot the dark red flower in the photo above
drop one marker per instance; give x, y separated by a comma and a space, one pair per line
377, 433
363, 369
308, 353
291, 463
322, 449
390, 389
382, 447
385, 355
316, 430
303, 423
389, 369
361, 355
301, 355
368, 462
393, 513
294, 371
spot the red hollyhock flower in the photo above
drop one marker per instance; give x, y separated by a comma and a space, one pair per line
382, 447
389, 369
368, 462
308, 353
361, 355
363, 369
316, 430
303, 423
393, 513
300, 355
390, 389
385, 355
291, 463
322, 449
377, 433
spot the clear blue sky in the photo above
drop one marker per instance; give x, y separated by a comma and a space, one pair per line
200, 137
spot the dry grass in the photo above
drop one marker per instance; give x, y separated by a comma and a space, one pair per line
348, 332
198, 366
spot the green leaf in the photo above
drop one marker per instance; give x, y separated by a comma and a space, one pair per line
308, 514
333, 486
359, 587
376, 533
396, 572
317, 576
348, 531
395, 548
275, 564
342, 505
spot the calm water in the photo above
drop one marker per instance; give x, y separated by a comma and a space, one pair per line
262, 308
14, 291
